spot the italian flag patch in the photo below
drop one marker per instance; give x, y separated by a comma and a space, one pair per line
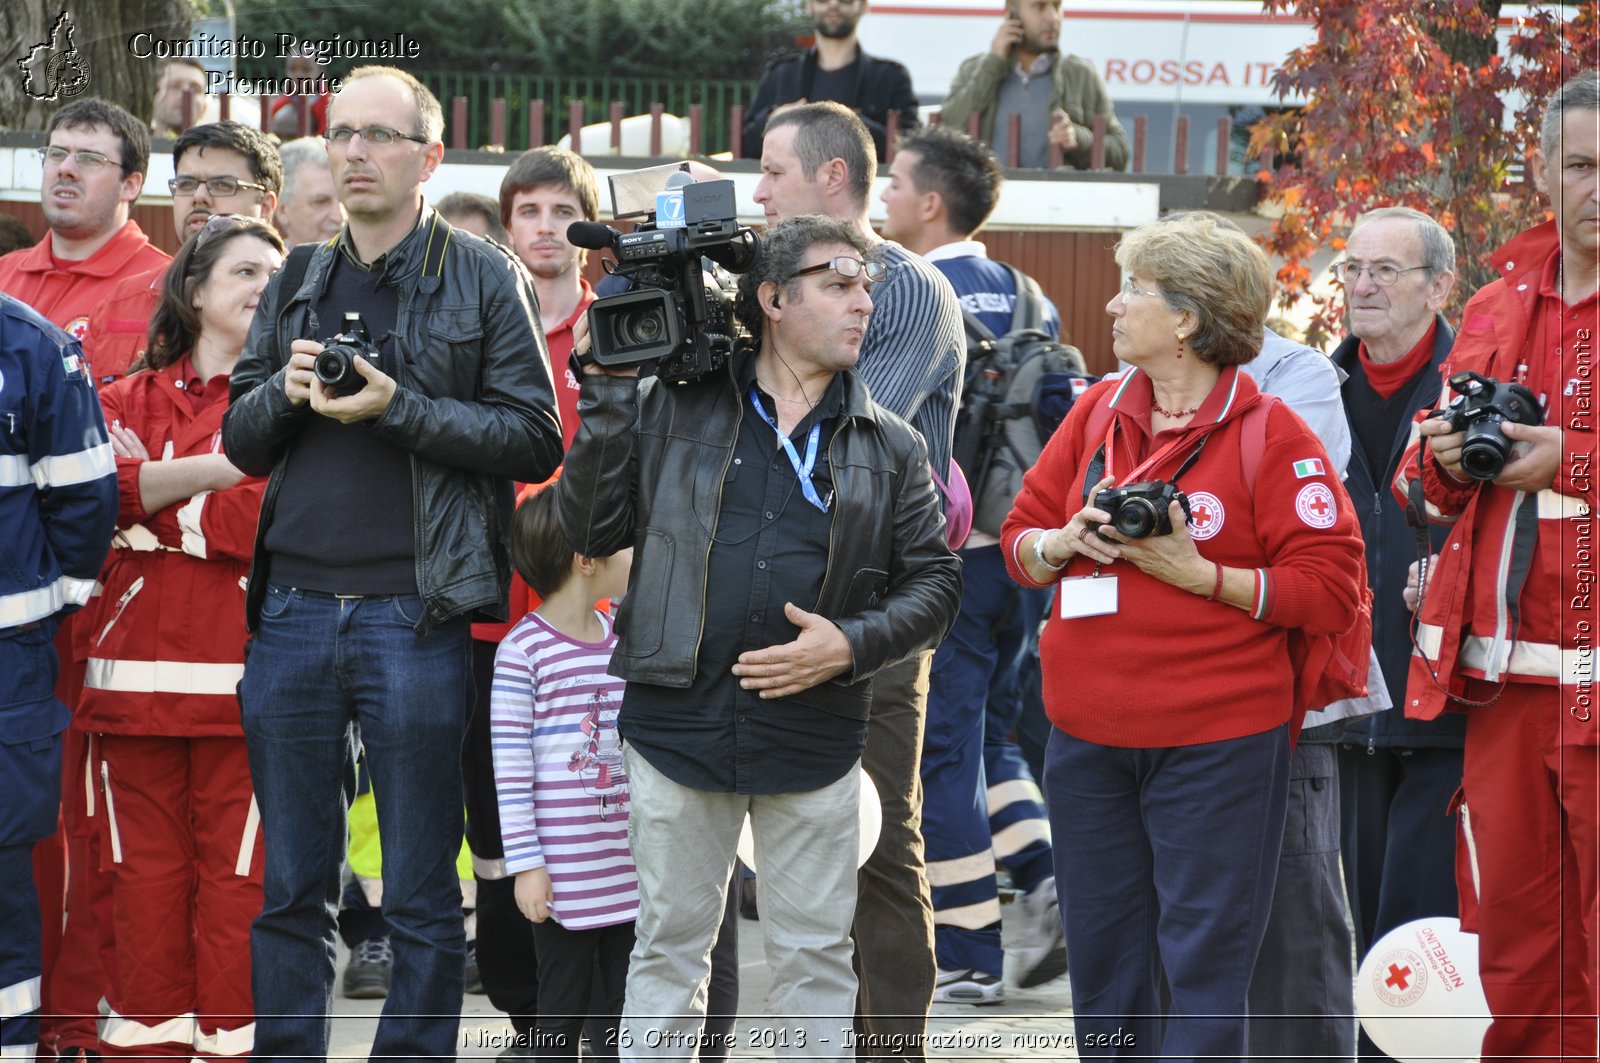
1309, 467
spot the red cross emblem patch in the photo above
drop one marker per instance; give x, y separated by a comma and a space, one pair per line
1399, 978
1315, 506
1205, 515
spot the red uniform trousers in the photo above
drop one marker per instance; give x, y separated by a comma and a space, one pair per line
1533, 842
74, 894
181, 839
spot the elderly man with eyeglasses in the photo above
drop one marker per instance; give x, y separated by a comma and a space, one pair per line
1396, 776
382, 537
222, 168
94, 160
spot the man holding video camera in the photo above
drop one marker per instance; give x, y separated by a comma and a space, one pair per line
1505, 629
789, 544
817, 157
392, 454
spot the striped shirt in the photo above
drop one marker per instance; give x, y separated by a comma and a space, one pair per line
915, 349
558, 773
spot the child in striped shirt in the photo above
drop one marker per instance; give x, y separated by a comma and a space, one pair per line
559, 780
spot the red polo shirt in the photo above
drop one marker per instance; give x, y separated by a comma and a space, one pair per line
65, 290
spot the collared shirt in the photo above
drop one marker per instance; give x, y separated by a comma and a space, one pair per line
200, 393
559, 340
771, 547
66, 293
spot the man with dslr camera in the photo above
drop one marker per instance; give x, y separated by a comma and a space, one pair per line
1506, 625
789, 544
383, 531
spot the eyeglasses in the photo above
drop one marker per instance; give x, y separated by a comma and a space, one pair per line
372, 134
1132, 291
88, 160
221, 223
847, 267
218, 187
1384, 276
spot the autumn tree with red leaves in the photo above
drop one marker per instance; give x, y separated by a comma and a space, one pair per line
1405, 104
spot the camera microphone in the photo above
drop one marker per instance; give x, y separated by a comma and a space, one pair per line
591, 235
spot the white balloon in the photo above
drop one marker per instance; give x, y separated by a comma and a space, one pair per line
1419, 995
871, 823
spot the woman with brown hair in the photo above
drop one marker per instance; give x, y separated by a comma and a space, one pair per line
180, 826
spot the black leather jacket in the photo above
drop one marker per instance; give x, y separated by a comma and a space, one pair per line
474, 407
881, 86
647, 469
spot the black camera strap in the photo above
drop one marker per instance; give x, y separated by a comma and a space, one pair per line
433, 254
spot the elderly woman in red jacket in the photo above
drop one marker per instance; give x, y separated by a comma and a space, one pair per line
1166, 666
180, 827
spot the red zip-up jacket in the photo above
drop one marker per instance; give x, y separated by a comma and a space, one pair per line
166, 636
1540, 545
1170, 668
119, 325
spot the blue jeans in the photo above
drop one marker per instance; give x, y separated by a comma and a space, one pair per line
325, 673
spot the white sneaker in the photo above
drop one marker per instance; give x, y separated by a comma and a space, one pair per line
967, 986
1042, 956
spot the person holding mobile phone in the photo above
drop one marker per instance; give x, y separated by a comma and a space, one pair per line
1057, 96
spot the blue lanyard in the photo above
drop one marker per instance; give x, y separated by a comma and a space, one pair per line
802, 469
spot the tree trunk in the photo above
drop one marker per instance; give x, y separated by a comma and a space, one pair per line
88, 56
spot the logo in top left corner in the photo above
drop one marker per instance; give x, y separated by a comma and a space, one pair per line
54, 69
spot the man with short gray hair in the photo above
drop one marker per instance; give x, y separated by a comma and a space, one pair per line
1396, 776
309, 210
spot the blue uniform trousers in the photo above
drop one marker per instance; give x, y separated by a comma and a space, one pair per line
31, 723
979, 799
1165, 864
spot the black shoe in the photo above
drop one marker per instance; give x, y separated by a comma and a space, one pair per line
366, 976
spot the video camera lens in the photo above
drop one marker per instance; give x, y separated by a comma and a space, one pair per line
641, 327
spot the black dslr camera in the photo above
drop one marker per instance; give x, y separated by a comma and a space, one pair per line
679, 315
1139, 510
334, 366
1484, 406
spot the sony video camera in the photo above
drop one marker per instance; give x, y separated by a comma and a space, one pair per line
1484, 406
1139, 510
334, 366
679, 314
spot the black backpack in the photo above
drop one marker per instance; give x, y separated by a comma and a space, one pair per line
1018, 389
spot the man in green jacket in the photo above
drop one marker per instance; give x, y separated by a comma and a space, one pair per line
1057, 96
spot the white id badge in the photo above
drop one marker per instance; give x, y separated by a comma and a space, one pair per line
1082, 596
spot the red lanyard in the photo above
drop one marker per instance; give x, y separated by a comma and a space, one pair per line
1148, 463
